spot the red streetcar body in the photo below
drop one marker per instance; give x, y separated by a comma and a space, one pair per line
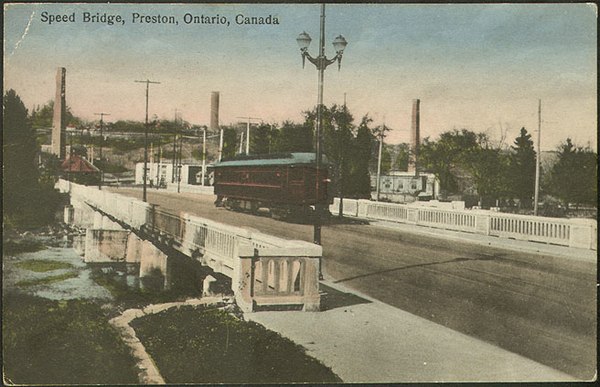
278, 182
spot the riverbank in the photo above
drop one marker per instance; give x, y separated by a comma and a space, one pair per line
57, 323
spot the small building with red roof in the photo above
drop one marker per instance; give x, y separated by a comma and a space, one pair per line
79, 170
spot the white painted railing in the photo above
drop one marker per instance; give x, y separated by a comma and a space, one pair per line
579, 233
265, 270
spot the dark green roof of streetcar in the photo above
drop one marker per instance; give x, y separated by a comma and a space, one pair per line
272, 159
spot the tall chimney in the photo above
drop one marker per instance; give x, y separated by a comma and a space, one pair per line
59, 137
214, 110
415, 138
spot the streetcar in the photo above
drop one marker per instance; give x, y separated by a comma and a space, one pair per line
286, 184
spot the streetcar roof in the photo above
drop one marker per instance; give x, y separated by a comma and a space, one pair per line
295, 158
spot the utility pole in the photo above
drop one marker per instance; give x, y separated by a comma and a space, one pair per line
381, 135
248, 132
179, 166
203, 155
341, 173
379, 165
221, 144
147, 82
537, 160
101, 130
173, 158
159, 165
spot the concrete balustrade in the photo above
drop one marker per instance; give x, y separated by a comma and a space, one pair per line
278, 276
265, 270
578, 233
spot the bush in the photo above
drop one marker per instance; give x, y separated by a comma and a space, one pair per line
61, 342
201, 345
37, 208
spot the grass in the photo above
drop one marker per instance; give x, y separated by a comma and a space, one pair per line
42, 265
199, 345
47, 280
11, 247
61, 342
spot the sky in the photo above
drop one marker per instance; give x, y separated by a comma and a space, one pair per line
482, 67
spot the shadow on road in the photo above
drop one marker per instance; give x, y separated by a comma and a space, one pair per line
333, 298
481, 257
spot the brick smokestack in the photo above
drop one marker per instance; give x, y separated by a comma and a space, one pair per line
59, 136
214, 111
415, 139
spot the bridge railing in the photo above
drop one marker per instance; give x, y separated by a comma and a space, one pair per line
578, 233
265, 270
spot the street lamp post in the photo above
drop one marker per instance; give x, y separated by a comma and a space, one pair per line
147, 82
321, 62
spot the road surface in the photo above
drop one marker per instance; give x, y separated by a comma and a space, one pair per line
541, 307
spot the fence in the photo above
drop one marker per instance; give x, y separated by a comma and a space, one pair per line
265, 270
578, 233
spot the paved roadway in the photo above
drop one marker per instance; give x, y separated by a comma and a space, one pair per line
541, 307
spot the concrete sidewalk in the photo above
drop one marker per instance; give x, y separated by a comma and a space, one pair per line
366, 341
501, 243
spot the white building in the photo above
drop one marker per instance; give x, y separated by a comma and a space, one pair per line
405, 187
163, 174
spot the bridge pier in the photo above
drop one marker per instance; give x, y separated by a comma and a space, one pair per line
106, 241
265, 271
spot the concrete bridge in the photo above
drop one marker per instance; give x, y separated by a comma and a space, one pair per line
264, 270
452, 216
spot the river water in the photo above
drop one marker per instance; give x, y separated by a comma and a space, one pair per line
80, 286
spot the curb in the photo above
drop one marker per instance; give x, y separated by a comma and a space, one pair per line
148, 371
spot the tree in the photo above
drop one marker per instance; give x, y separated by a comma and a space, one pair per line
574, 177
294, 138
42, 117
359, 180
261, 139
20, 151
28, 202
449, 158
402, 156
230, 143
490, 170
522, 169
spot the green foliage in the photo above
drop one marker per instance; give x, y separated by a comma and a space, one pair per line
230, 143
19, 153
295, 138
359, 181
491, 175
46, 280
450, 157
42, 265
197, 153
386, 160
42, 117
263, 139
402, 157
522, 168
29, 202
108, 167
192, 345
127, 126
11, 247
61, 342
574, 177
